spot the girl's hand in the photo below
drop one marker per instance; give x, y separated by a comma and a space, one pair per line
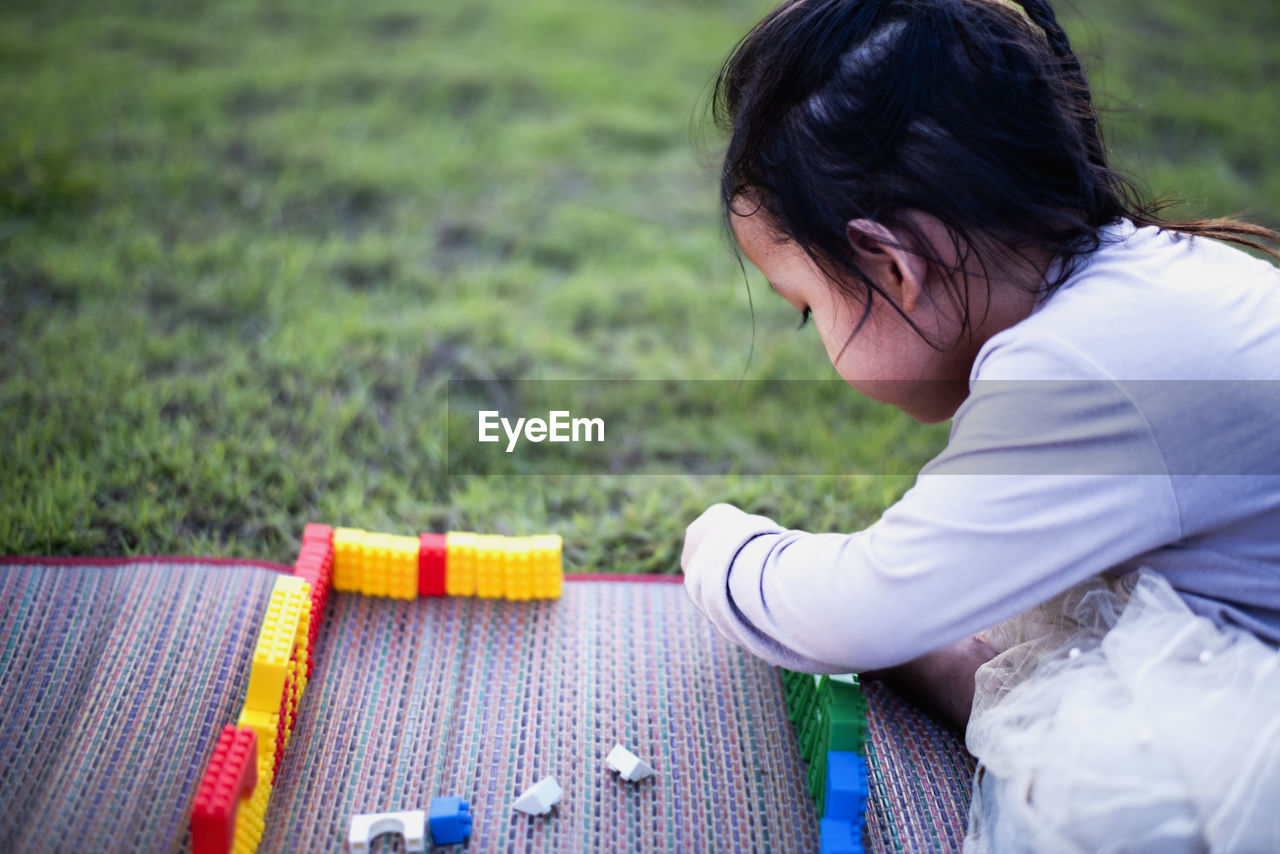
715, 518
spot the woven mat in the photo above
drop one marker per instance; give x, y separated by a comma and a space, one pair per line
114, 681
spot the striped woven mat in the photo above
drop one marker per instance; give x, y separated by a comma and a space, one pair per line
116, 677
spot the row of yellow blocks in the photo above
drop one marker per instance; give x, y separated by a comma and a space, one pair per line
485, 565
279, 665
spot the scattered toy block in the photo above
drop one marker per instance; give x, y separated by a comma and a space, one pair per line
410, 824
450, 820
627, 764
539, 798
229, 780
460, 563
840, 836
431, 565
348, 545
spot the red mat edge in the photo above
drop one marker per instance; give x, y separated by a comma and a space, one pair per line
49, 560
34, 560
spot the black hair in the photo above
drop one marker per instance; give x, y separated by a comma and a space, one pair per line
970, 111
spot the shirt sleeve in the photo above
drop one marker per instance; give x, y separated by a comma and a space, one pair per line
1043, 483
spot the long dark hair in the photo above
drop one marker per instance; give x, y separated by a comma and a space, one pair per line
967, 110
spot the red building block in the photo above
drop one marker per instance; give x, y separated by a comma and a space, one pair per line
431, 565
232, 774
285, 727
315, 566
317, 532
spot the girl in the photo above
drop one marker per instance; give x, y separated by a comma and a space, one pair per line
926, 181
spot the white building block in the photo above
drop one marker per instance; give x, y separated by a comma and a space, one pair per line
540, 797
411, 824
627, 764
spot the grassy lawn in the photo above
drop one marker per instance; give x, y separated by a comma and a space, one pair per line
244, 247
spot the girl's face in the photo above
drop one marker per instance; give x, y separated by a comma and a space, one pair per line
886, 360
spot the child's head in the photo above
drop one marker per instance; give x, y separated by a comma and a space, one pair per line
875, 112
936, 153
952, 143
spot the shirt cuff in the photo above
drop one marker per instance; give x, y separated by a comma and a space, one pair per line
724, 580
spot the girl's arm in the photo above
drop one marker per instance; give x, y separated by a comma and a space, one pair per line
1042, 486
957, 554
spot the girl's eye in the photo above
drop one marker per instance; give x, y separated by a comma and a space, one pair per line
804, 317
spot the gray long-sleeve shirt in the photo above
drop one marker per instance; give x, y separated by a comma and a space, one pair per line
1132, 420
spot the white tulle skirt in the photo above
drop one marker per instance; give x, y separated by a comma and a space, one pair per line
1117, 720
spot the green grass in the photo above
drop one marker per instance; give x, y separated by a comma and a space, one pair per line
245, 246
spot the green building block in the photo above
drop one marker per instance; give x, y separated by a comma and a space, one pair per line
846, 714
829, 713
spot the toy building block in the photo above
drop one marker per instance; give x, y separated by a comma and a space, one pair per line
840, 836
411, 824
546, 565
403, 565
314, 613
816, 777
539, 798
830, 716
460, 563
348, 545
846, 788
846, 713
431, 558
229, 779
450, 820
251, 820
517, 567
375, 564
627, 764
315, 552
284, 717
490, 573
276, 642
315, 532
315, 567
266, 727
315, 564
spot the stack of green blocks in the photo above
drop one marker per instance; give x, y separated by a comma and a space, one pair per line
829, 713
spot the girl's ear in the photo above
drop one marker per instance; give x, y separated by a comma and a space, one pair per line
882, 255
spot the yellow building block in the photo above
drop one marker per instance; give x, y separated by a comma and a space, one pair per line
276, 643
547, 567
404, 568
347, 546
518, 569
265, 725
251, 819
491, 558
302, 640
460, 563
376, 568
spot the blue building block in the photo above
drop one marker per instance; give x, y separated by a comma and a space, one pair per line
841, 836
846, 790
450, 820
